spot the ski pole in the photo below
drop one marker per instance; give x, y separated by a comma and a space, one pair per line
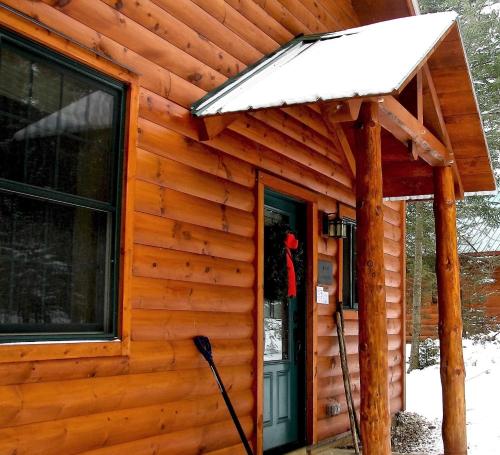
339, 319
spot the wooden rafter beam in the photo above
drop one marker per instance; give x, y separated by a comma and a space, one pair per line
407, 128
342, 110
344, 143
415, 151
211, 126
339, 139
420, 97
459, 190
333, 114
412, 100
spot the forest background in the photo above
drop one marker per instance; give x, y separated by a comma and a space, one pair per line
478, 216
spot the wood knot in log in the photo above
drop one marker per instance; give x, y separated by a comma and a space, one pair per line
195, 77
62, 3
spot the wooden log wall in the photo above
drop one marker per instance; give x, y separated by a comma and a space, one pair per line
194, 238
492, 304
330, 384
429, 329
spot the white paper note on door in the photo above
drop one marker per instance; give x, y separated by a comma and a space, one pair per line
321, 295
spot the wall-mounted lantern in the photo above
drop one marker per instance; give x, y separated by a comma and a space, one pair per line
334, 226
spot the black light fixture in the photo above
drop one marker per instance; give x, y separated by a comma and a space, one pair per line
334, 226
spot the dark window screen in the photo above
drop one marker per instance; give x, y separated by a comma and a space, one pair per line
350, 292
60, 173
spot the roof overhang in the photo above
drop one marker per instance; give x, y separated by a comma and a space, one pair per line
374, 60
377, 62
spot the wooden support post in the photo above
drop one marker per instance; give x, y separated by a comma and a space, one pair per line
373, 348
450, 316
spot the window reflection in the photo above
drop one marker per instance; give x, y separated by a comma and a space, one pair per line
276, 324
52, 265
60, 168
55, 128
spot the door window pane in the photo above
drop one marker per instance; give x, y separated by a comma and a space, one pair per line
276, 323
276, 330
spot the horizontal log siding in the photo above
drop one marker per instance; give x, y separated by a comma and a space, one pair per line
492, 303
490, 307
194, 238
330, 383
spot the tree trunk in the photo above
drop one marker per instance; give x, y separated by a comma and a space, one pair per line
417, 289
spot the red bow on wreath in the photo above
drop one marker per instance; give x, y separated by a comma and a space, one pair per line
291, 243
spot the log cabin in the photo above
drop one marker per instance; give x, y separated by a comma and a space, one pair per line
479, 249
193, 145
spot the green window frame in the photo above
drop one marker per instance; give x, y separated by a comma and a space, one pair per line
349, 287
106, 209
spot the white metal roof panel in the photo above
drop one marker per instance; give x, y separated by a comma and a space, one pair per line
367, 61
482, 239
476, 236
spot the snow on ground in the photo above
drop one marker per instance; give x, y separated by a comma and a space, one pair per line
482, 363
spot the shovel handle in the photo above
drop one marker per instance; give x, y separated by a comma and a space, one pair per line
203, 345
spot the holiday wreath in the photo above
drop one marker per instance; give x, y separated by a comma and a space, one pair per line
276, 272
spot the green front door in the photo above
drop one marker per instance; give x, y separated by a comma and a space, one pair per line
283, 382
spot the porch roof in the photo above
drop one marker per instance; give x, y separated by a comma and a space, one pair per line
373, 61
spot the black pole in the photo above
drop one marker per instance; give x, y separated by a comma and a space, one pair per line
203, 345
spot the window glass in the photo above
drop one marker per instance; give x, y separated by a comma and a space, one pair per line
349, 288
56, 129
60, 172
276, 323
53, 265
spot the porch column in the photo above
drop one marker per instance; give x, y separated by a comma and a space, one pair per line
450, 316
375, 419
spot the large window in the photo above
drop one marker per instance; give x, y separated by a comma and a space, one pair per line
349, 287
60, 174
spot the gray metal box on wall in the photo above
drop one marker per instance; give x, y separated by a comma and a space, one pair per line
325, 272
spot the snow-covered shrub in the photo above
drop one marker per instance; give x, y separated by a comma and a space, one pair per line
411, 432
428, 353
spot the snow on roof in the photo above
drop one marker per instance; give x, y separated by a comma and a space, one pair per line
373, 60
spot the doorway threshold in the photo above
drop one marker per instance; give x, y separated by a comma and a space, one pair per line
332, 451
